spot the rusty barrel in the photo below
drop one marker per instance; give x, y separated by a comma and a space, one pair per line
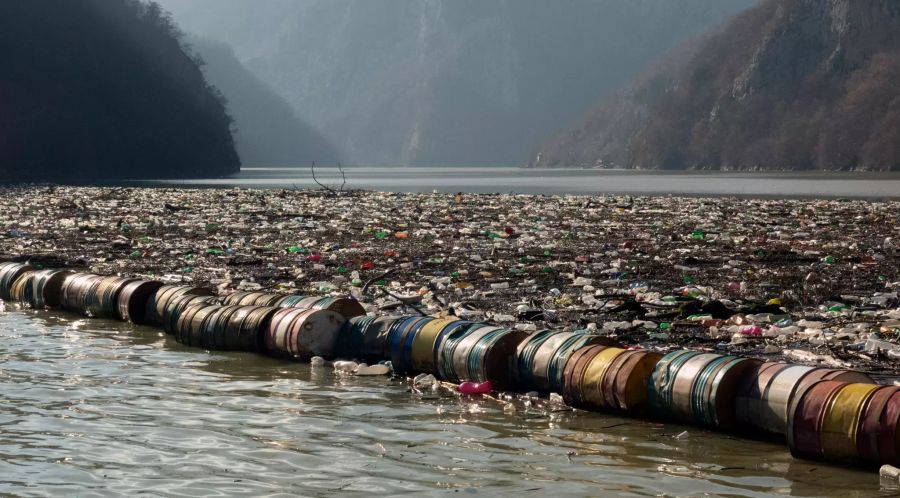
19, 290
45, 289
133, 299
573, 374
302, 334
75, 291
9, 273
492, 357
765, 399
160, 300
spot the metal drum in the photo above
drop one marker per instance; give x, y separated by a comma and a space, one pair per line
75, 291
625, 384
446, 352
244, 329
460, 349
592, 383
660, 388
177, 309
784, 389
133, 299
9, 273
526, 353
289, 301
573, 374
425, 342
876, 437
401, 344
350, 341
19, 289
492, 358
159, 301
806, 421
750, 403
102, 300
842, 419
46, 289
302, 334
376, 339
558, 358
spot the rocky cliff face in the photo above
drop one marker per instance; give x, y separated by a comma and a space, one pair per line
446, 82
791, 84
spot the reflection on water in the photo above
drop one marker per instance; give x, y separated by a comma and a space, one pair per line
102, 407
570, 181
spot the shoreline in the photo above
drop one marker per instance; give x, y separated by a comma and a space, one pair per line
662, 272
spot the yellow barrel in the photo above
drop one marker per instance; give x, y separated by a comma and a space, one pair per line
423, 346
841, 421
592, 383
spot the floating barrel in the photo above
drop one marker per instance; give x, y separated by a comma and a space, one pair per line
191, 326
238, 328
841, 424
176, 310
102, 299
698, 387
455, 356
376, 339
592, 395
156, 305
75, 292
804, 438
492, 357
877, 438
401, 342
9, 273
625, 383
539, 352
765, 395
448, 368
133, 299
346, 306
252, 299
289, 301
351, 339
560, 357
20, 288
45, 290
573, 374
302, 334
426, 341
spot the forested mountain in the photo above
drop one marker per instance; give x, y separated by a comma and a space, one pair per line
101, 89
446, 82
790, 84
268, 131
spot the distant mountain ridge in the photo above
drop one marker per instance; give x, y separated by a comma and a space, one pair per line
267, 131
446, 82
102, 90
788, 85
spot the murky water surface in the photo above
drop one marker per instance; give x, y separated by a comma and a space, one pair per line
97, 408
570, 181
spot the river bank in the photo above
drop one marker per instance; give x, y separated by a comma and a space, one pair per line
808, 281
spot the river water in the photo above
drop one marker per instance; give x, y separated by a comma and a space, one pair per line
94, 408
570, 181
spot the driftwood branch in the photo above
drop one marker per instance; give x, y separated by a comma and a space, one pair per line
343, 176
325, 187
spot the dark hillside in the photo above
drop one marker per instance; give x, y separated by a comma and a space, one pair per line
101, 89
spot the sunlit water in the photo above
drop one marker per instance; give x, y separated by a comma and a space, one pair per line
570, 181
97, 408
